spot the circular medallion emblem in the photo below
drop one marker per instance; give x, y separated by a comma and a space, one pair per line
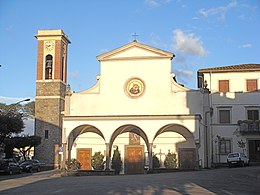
135, 87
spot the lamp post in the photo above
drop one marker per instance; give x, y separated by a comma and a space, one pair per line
13, 105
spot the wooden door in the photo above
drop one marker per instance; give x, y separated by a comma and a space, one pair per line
134, 160
187, 158
254, 150
84, 157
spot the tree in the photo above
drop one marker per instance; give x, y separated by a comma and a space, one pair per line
11, 118
23, 143
170, 161
116, 161
97, 161
241, 144
156, 162
10, 123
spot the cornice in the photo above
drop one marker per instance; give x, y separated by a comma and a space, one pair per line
133, 117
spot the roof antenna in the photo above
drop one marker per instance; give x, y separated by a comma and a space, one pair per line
134, 36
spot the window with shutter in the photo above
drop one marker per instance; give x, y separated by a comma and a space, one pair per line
253, 115
224, 116
251, 85
224, 146
223, 85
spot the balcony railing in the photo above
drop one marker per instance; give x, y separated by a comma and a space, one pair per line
249, 126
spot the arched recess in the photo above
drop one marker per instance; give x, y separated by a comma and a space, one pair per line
175, 128
80, 130
128, 128
183, 145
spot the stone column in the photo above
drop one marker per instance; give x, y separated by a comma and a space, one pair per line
64, 156
56, 156
107, 157
150, 156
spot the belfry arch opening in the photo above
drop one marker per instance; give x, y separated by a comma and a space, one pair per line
175, 140
48, 66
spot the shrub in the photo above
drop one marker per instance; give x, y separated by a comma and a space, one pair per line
170, 161
97, 161
156, 162
72, 165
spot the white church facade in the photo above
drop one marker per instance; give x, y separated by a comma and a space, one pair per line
136, 106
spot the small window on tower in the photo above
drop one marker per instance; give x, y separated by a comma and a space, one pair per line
46, 134
48, 67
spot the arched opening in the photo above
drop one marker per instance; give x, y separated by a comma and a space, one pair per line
178, 142
48, 66
83, 142
132, 144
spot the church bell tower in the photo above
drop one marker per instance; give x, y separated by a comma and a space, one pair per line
51, 81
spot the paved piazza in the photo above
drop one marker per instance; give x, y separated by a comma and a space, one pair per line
234, 181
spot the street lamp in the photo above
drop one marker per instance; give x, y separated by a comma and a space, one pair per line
13, 105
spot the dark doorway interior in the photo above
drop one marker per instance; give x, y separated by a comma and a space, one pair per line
254, 150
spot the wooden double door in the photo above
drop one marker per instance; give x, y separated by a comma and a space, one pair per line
134, 159
84, 157
187, 158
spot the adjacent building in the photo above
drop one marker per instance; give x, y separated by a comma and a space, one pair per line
235, 103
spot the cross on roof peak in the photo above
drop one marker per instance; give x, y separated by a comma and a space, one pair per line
134, 35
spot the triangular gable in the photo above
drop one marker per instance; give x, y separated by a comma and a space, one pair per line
135, 50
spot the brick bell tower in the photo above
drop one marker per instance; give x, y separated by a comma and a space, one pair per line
51, 81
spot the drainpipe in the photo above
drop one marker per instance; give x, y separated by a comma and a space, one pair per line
206, 135
210, 111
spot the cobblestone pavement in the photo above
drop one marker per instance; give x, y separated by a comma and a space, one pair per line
234, 181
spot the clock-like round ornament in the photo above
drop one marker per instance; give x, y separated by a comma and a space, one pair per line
49, 45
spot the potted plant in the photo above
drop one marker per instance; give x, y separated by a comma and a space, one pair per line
97, 161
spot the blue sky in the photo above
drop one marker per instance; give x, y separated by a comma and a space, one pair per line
200, 33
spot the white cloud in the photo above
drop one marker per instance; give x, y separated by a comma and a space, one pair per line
155, 3
152, 3
188, 43
155, 40
73, 75
183, 76
195, 18
218, 11
247, 45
